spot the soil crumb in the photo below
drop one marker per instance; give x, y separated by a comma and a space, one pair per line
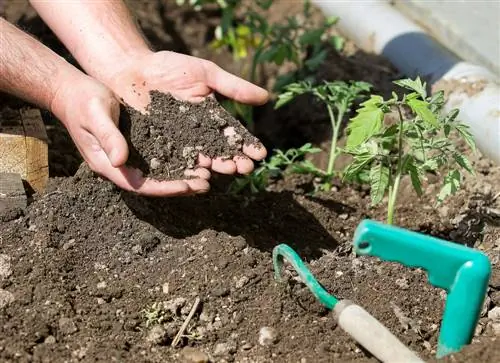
167, 140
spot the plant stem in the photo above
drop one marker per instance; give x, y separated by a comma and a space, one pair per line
393, 191
335, 135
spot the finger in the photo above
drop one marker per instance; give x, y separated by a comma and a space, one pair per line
201, 173
107, 134
243, 164
223, 166
132, 180
234, 87
204, 161
256, 152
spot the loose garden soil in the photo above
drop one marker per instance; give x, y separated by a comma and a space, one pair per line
166, 140
93, 274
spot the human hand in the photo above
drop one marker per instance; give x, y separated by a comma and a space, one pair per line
90, 112
189, 79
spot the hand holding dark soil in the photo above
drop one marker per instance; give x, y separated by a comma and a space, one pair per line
191, 79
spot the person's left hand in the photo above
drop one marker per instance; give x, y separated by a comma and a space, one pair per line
190, 79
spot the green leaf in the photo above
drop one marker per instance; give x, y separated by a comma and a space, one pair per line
337, 42
463, 162
421, 108
367, 122
314, 62
311, 37
463, 130
415, 85
415, 176
379, 180
358, 164
450, 186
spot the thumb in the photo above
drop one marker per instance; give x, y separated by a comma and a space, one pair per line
103, 127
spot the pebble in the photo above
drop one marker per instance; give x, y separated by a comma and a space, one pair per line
68, 244
5, 266
403, 283
67, 326
193, 355
102, 285
267, 336
137, 249
50, 340
242, 281
227, 348
494, 314
154, 163
165, 288
156, 335
247, 346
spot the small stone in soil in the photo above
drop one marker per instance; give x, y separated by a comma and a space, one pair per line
222, 349
267, 336
50, 340
193, 355
494, 314
5, 266
67, 326
156, 335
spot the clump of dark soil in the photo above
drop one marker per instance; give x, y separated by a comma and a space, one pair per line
167, 139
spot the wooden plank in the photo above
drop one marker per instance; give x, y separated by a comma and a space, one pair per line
12, 194
24, 146
37, 152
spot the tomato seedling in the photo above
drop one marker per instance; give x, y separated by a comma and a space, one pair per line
280, 162
389, 139
339, 98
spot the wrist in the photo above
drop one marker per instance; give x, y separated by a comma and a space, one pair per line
66, 80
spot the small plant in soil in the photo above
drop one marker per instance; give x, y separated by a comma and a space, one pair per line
339, 97
155, 315
280, 162
416, 140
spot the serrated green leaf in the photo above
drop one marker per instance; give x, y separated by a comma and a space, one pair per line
413, 85
450, 186
421, 108
415, 176
283, 99
358, 164
366, 123
463, 130
463, 162
379, 181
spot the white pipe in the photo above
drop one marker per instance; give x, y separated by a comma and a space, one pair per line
371, 334
376, 26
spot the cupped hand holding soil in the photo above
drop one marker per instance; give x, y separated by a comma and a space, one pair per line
174, 126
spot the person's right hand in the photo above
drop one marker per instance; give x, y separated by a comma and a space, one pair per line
90, 112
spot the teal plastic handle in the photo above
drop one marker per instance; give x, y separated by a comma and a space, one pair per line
463, 272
